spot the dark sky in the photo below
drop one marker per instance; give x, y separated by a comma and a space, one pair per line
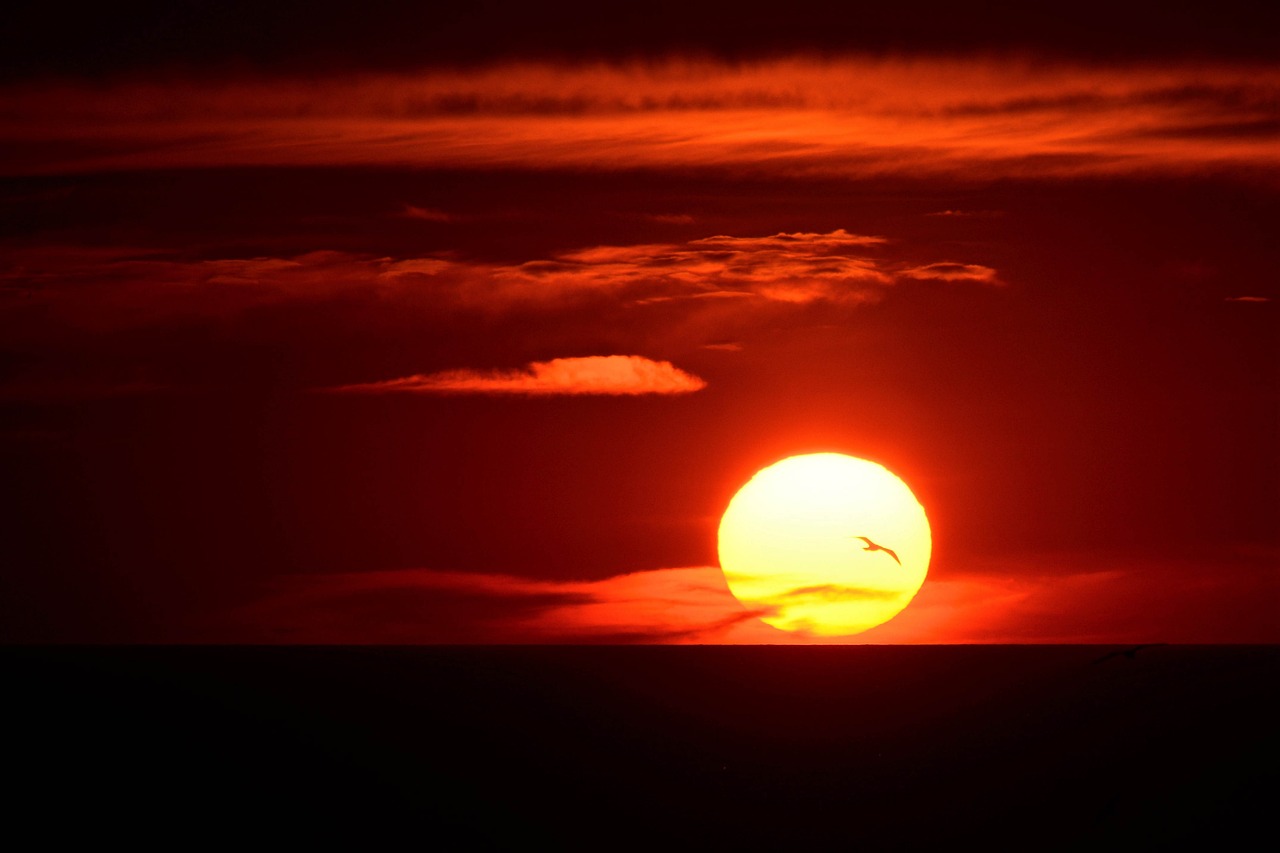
269, 279
288, 36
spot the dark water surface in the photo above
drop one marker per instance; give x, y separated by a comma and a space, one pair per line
868, 747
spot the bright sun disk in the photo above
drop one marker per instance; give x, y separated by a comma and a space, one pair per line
792, 544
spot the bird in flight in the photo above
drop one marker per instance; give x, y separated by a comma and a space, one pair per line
1130, 653
871, 546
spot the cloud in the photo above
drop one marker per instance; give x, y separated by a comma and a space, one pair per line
81, 317
59, 302
841, 593
679, 605
1039, 599
948, 271
608, 374
1086, 598
1248, 299
853, 117
817, 243
89, 288
797, 268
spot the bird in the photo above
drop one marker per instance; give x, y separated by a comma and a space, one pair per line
1130, 653
871, 546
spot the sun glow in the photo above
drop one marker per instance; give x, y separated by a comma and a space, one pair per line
825, 544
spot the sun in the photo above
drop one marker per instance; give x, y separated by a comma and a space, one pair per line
825, 544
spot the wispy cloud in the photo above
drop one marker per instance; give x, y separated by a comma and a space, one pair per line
1248, 299
613, 301
1053, 598
799, 267
681, 605
93, 288
1086, 598
839, 592
602, 374
850, 116
947, 271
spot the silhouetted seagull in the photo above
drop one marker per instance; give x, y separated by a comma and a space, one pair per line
871, 546
1130, 653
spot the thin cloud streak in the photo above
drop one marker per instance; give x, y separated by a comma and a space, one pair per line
841, 593
94, 289
680, 605
1066, 600
618, 375
852, 117
948, 271
798, 268
1061, 598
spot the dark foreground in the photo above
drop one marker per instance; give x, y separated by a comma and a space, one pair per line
877, 748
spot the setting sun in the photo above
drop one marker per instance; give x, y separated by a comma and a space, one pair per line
825, 544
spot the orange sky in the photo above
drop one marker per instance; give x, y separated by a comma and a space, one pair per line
851, 117
328, 337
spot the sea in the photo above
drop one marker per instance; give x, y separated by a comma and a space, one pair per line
1031, 748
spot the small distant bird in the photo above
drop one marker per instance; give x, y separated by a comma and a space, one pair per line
1130, 653
871, 546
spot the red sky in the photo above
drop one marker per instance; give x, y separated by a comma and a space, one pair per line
392, 325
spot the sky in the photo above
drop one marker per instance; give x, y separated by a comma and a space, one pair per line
387, 323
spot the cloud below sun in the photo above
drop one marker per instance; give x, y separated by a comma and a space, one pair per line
1037, 599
